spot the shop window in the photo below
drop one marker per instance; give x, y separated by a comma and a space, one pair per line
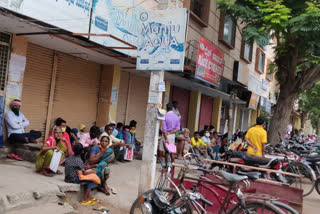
227, 30
269, 75
246, 51
199, 10
260, 61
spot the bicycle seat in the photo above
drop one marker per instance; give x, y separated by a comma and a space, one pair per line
232, 177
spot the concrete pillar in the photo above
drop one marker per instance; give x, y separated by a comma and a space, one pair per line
235, 118
108, 95
151, 133
194, 111
166, 95
216, 113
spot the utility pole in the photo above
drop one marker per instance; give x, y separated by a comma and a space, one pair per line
151, 134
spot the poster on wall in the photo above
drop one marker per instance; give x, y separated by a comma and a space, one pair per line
161, 43
71, 15
254, 100
209, 63
120, 18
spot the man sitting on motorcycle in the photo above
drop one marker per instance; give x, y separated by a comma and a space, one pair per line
256, 138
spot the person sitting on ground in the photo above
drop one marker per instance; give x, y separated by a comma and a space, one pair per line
114, 131
214, 148
205, 128
198, 145
73, 136
119, 129
116, 143
65, 136
206, 139
16, 123
100, 157
82, 129
88, 140
212, 129
184, 143
73, 165
256, 138
54, 142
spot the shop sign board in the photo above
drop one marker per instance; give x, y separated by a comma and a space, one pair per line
71, 15
120, 18
265, 85
161, 40
254, 85
254, 100
210, 62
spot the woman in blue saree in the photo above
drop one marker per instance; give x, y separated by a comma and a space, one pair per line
100, 157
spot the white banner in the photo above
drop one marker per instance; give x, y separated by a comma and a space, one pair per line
71, 15
161, 43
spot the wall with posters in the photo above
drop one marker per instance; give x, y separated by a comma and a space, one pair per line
71, 15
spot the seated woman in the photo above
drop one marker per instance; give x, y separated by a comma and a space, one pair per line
100, 156
54, 142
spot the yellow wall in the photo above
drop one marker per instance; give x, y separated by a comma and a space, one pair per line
110, 81
194, 111
216, 113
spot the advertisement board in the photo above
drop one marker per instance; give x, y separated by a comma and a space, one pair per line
71, 15
210, 62
119, 18
254, 100
161, 43
254, 85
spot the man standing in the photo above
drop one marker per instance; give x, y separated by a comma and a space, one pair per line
256, 138
170, 126
175, 109
16, 123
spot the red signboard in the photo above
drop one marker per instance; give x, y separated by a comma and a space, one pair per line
210, 62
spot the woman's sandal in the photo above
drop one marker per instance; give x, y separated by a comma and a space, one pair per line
95, 200
46, 174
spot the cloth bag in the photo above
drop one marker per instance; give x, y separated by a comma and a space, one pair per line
91, 177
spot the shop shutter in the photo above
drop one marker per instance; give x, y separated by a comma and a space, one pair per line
36, 86
123, 97
138, 103
76, 91
182, 96
205, 111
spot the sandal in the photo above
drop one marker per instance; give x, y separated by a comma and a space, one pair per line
18, 158
46, 173
88, 203
95, 200
113, 190
11, 156
59, 172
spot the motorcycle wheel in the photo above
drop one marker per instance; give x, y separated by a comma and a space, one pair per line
307, 183
317, 186
170, 194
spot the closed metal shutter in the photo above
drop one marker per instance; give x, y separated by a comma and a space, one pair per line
76, 91
36, 86
137, 102
123, 97
182, 96
205, 111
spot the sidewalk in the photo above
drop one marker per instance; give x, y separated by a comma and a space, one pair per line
21, 187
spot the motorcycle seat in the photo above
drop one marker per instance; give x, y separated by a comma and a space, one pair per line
253, 161
313, 158
251, 175
232, 177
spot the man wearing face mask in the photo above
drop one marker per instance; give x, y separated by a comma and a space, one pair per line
16, 123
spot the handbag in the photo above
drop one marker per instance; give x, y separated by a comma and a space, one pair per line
91, 177
171, 148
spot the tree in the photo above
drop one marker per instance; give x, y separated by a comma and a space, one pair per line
294, 25
309, 101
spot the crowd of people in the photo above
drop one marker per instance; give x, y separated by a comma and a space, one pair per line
85, 155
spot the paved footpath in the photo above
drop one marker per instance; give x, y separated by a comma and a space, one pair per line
24, 191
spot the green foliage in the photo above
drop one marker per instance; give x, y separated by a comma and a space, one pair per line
295, 23
309, 102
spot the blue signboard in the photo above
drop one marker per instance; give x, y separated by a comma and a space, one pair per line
161, 40
120, 18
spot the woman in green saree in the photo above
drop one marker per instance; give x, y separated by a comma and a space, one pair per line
54, 142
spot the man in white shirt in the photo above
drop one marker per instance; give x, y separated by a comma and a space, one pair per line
16, 123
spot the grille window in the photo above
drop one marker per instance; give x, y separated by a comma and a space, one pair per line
4, 59
4, 38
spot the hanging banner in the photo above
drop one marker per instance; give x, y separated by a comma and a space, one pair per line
210, 62
161, 40
71, 15
120, 18
254, 100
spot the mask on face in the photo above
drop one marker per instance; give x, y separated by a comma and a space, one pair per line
16, 111
207, 134
63, 129
132, 131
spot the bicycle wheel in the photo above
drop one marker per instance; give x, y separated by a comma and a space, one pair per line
286, 208
307, 183
256, 207
317, 185
170, 194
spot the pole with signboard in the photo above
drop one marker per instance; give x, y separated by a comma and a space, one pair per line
161, 47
